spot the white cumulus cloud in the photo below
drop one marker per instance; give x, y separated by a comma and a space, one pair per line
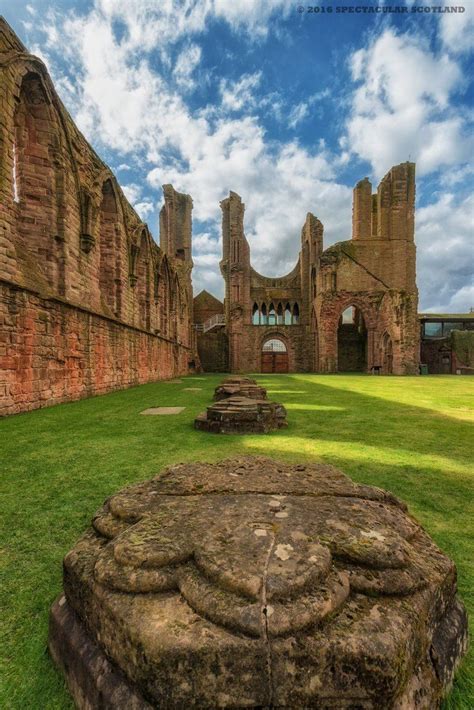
401, 108
457, 29
445, 245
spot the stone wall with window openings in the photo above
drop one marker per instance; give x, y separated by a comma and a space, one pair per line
280, 313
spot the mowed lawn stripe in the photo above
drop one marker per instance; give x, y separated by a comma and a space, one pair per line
410, 435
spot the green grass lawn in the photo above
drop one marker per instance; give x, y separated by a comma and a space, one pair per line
412, 436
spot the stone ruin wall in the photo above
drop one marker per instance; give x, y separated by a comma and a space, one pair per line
374, 272
212, 346
206, 306
88, 302
243, 287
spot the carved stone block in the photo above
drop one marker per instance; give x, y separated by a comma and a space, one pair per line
242, 415
241, 387
254, 583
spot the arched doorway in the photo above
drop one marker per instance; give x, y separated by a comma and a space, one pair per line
274, 356
386, 354
352, 341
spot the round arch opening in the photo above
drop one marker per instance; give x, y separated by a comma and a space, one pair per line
274, 356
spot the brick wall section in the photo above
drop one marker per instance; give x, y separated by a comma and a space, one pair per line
52, 352
205, 306
70, 243
213, 349
374, 272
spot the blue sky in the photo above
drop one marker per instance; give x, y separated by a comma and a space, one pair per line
289, 109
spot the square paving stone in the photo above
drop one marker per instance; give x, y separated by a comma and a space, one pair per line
163, 410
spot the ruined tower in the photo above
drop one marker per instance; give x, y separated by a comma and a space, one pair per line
176, 243
235, 268
350, 307
374, 274
176, 224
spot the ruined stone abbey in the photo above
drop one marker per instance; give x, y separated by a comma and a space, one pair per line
89, 303
351, 307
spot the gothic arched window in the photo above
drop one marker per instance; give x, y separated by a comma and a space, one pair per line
296, 314
271, 315
255, 315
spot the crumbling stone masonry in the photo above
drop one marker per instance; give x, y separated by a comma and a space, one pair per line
257, 583
241, 407
241, 387
88, 302
242, 415
212, 345
352, 306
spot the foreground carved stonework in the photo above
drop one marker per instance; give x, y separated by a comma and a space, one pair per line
242, 415
256, 583
240, 386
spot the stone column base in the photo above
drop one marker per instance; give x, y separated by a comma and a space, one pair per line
93, 681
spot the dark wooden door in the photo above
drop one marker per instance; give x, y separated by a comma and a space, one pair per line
274, 362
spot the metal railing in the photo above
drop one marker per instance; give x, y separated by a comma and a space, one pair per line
213, 322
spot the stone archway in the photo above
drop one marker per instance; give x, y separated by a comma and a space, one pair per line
274, 355
109, 249
329, 320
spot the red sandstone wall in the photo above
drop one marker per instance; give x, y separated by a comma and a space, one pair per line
213, 349
90, 303
51, 352
205, 306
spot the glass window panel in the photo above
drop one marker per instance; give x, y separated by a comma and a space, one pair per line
274, 345
433, 330
255, 315
348, 315
448, 327
271, 315
296, 314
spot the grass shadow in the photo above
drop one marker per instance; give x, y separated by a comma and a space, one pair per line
59, 464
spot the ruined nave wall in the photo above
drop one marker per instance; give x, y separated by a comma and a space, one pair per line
77, 264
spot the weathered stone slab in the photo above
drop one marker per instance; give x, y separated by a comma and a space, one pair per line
239, 387
254, 583
242, 415
163, 411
